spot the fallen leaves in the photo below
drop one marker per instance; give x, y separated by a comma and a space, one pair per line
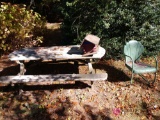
116, 99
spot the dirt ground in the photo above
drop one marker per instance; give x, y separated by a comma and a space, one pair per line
113, 99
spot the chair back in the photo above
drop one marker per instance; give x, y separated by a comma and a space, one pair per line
134, 49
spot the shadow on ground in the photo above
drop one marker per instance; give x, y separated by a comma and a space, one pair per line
114, 74
58, 108
10, 70
24, 87
42, 68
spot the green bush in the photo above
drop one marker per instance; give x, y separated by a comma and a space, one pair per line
19, 27
46, 8
114, 21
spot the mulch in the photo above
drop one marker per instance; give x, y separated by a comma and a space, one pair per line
113, 99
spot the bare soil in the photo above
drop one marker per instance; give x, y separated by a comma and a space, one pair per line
113, 99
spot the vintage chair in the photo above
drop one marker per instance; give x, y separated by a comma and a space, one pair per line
133, 51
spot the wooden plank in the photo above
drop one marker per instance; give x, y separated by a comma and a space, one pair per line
53, 53
52, 77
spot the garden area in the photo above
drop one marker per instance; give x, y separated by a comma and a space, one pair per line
113, 99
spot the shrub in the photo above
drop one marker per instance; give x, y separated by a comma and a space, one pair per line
47, 8
19, 27
114, 21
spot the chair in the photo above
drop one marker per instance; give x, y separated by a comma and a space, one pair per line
133, 51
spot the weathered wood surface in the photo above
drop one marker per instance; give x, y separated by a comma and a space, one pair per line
51, 78
53, 53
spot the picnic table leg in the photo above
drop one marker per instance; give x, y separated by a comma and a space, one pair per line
90, 68
22, 68
76, 63
22, 72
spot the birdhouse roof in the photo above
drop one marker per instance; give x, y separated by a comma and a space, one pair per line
92, 38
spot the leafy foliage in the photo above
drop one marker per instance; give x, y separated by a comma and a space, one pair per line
114, 21
19, 27
46, 8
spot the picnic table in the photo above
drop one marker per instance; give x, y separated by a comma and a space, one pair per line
53, 53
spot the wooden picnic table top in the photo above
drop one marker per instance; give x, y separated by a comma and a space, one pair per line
53, 53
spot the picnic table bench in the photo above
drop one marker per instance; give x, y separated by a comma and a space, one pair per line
54, 53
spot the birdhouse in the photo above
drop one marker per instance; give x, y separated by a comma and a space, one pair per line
90, 44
